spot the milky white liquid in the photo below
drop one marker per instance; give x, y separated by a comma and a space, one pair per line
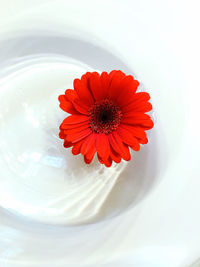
39, 178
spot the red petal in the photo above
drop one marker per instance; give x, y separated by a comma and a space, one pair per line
136, 116
141, 96
138, 98
138, 132
67, 144
143, 141
61, 134
118, 146
76, 129
66, 105
80, 106
138, 107
103, 146
113, 73
70, 95
96, 86
90, 154
100, 159
78, 136
130, 83
77, 147
74, 119
89, 143
105, 83
146, 123
64, 125
128, 89
115, 85
137, 119
62, 99
87, 159
128, 138
114, 155
107, 162
114, 144
127, 155
81, 87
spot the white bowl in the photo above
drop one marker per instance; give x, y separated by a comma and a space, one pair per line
151, 216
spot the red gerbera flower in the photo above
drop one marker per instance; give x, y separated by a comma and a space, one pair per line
108, 116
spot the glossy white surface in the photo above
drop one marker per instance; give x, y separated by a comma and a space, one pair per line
39, 178
159, 42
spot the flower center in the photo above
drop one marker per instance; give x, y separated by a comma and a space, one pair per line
105, 116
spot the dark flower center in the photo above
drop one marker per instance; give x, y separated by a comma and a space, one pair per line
105, 116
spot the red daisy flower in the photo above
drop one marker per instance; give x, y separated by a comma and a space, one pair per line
108, 116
